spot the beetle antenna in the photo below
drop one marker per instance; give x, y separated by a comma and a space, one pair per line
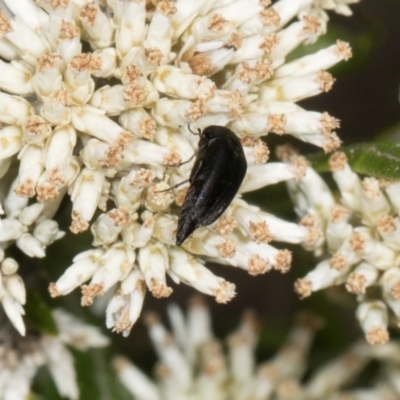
190, 130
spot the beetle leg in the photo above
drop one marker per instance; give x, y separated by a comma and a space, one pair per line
173, 187
190, 159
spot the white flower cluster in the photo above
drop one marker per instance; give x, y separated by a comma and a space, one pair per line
194, 366
21, 357
110, 88
31, 228
361, 232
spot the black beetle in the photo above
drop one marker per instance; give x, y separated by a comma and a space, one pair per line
216, 176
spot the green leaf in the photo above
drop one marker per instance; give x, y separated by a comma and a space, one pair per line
96, 379
379, 159
38, 314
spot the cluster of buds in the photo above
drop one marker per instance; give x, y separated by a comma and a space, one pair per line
361, 233
21, 357
194, 365
31, 229
108, 125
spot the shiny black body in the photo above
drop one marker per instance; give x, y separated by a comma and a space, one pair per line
217, 174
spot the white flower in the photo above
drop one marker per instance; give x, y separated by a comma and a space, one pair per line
361, 233
193, 364
21, 357
109, 126
12, 293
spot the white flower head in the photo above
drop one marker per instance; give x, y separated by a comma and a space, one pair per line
361, 234
21, 357
194, 364
96, 102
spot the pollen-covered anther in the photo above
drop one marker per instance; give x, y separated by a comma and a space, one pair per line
134, 92
377, 336
144, 177
260, 232
49, 190
55, 177
325, 80
343, 50
53, 290
157, 195
68, 30
339, 213
357, 242
25, 188
217, 23
235, 103
261, 71
120, 216
225, 292
299, 164
153, 56
226, 225
260, 149
313, 227
331, 142
78, 225
159, 289
386, 224
395, 290
270, 16
370, 188
113, 155
283, 261
227, 248
89, 292
123, 324
329, 123
62, 97
356, 283
268, 43
131, 73
264, 69
5, 26
337, 161
36, 126
234, 41
276, 123
257, 265
56, 4
147, 128
338, 262
166, 8
172, 159
180, 196
311, 24
47, 61
123, 140
200, 63
303, 288
85, 62
88, 13
196, 110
